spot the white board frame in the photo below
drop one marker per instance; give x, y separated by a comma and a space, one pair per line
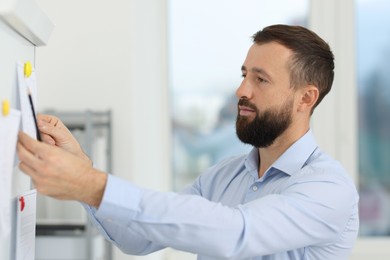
28, 19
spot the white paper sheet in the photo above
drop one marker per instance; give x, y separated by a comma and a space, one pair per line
24, 85
25, 225
9, 126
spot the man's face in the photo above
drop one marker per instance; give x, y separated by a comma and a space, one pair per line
265, 109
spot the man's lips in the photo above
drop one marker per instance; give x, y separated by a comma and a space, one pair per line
246, 111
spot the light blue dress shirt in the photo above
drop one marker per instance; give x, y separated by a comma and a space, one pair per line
304, 207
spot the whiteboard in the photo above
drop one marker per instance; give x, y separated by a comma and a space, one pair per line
19, 36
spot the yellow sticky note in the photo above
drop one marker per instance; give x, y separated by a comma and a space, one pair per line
27, 69
6, 107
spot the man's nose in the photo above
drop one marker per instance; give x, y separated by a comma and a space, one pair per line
244, 90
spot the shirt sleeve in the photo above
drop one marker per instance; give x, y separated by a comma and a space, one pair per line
147, 220
125, 238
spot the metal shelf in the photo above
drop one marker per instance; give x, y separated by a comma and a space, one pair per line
86, 127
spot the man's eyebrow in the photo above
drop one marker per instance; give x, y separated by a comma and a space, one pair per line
257, 71
261, 71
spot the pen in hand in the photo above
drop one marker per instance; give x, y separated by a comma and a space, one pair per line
35, 117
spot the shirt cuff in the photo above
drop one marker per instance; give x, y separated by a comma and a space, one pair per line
120, 202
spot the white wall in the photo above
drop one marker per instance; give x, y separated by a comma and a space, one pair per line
112, 55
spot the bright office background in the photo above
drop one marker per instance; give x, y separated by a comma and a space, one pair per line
167, 69
373, 74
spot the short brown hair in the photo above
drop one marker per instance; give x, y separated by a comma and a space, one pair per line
312, 62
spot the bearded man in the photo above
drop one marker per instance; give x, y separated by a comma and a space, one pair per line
286, 199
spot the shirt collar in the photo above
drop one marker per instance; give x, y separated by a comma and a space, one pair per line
295, 157
292, 160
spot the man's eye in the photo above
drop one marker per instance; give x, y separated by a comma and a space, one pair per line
243, 75
261, 80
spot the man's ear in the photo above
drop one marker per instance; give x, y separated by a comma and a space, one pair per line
308, 98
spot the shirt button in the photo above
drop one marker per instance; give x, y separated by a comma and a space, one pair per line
254, 188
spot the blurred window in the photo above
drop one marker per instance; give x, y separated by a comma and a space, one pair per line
373, 55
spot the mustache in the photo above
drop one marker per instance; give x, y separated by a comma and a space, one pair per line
246, 103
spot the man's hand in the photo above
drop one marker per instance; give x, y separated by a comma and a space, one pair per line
54, 132
59, 173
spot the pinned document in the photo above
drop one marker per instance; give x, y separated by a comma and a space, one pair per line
25, 225
9, 126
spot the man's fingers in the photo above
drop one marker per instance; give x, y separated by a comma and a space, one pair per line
26, 141
47, 139
46, 118
29, 161
48, 129
31, 148
27, 169
52, 120
57, 132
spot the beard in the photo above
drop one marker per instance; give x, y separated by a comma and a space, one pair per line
262, 131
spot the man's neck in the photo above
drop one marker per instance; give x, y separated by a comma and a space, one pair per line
268, 155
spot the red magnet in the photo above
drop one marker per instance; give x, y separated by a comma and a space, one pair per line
22, 203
